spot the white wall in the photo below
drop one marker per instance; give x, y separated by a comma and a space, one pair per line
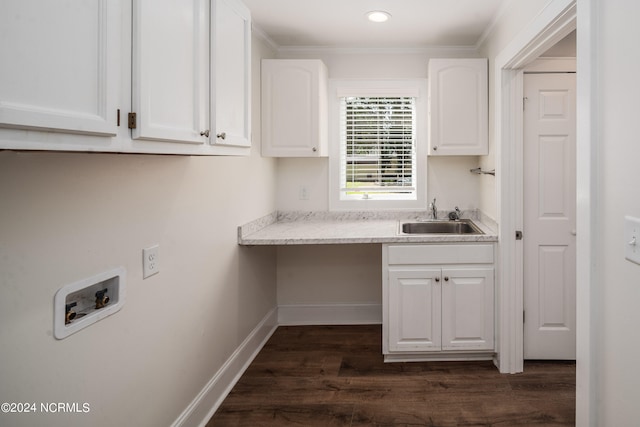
617, 292
64, 217
513, 18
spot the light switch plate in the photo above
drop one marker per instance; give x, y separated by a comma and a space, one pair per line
632, 239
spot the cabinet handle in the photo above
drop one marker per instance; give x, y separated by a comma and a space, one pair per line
437, 279
222, 135
446, 278
205, 133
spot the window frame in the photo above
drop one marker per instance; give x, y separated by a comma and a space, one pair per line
339, 88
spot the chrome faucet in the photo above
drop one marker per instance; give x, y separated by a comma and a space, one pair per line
434, 209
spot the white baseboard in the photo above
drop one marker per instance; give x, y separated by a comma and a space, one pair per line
330, 314
202, 408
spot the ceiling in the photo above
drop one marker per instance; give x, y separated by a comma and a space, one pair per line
342, 23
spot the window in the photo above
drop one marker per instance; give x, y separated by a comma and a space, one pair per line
377, 147
377, 160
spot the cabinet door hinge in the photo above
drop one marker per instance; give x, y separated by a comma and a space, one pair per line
132, 120
518, 235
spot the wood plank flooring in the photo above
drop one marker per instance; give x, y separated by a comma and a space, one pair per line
335, 376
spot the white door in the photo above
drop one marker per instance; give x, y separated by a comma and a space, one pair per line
60, 65
415, 309
231, 60
467, 309
549, 216
171, 70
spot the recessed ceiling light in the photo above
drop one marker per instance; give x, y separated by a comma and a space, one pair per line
378, 16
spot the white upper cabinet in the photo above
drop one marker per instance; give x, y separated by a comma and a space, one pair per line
191, 69
231, 65
137, 76
171, 70
458, 107
60, 67
294, 108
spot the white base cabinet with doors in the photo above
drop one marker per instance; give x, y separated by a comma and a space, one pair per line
438, 302
133, 76
294, 108
458, 107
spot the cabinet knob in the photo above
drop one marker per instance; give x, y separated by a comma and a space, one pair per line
446, 279
437, 279
222, 135
205, 133
314, 149
435, 148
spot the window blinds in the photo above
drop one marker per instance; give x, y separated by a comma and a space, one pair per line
377, 146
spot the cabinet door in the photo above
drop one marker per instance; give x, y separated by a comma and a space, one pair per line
60, 65
414, 310
171, 70
294, 108
458, 107
231, 59
467, 309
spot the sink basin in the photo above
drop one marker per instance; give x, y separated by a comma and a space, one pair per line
463, 226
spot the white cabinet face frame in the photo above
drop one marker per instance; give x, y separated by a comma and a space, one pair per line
61, 68
231, 74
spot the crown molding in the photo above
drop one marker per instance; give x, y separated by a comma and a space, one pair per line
360, 50
259, 32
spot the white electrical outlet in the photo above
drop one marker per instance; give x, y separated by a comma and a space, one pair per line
304, 193
150, 261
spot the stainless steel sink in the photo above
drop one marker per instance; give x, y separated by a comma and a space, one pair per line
463, 226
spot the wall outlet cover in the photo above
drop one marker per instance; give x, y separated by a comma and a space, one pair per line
150, 261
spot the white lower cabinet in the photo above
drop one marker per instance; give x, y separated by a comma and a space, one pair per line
438, 302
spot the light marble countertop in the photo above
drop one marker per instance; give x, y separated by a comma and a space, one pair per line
319, 228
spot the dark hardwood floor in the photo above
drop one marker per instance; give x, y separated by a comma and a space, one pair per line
335, 376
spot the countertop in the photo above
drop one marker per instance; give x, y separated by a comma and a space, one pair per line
319, 228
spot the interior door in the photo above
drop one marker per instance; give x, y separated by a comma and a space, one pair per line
549, 216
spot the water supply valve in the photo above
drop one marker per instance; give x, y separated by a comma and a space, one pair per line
69, 314
102, 298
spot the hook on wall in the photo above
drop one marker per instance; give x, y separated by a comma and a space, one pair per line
479, 171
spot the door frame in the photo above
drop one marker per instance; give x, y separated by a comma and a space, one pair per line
556, 20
